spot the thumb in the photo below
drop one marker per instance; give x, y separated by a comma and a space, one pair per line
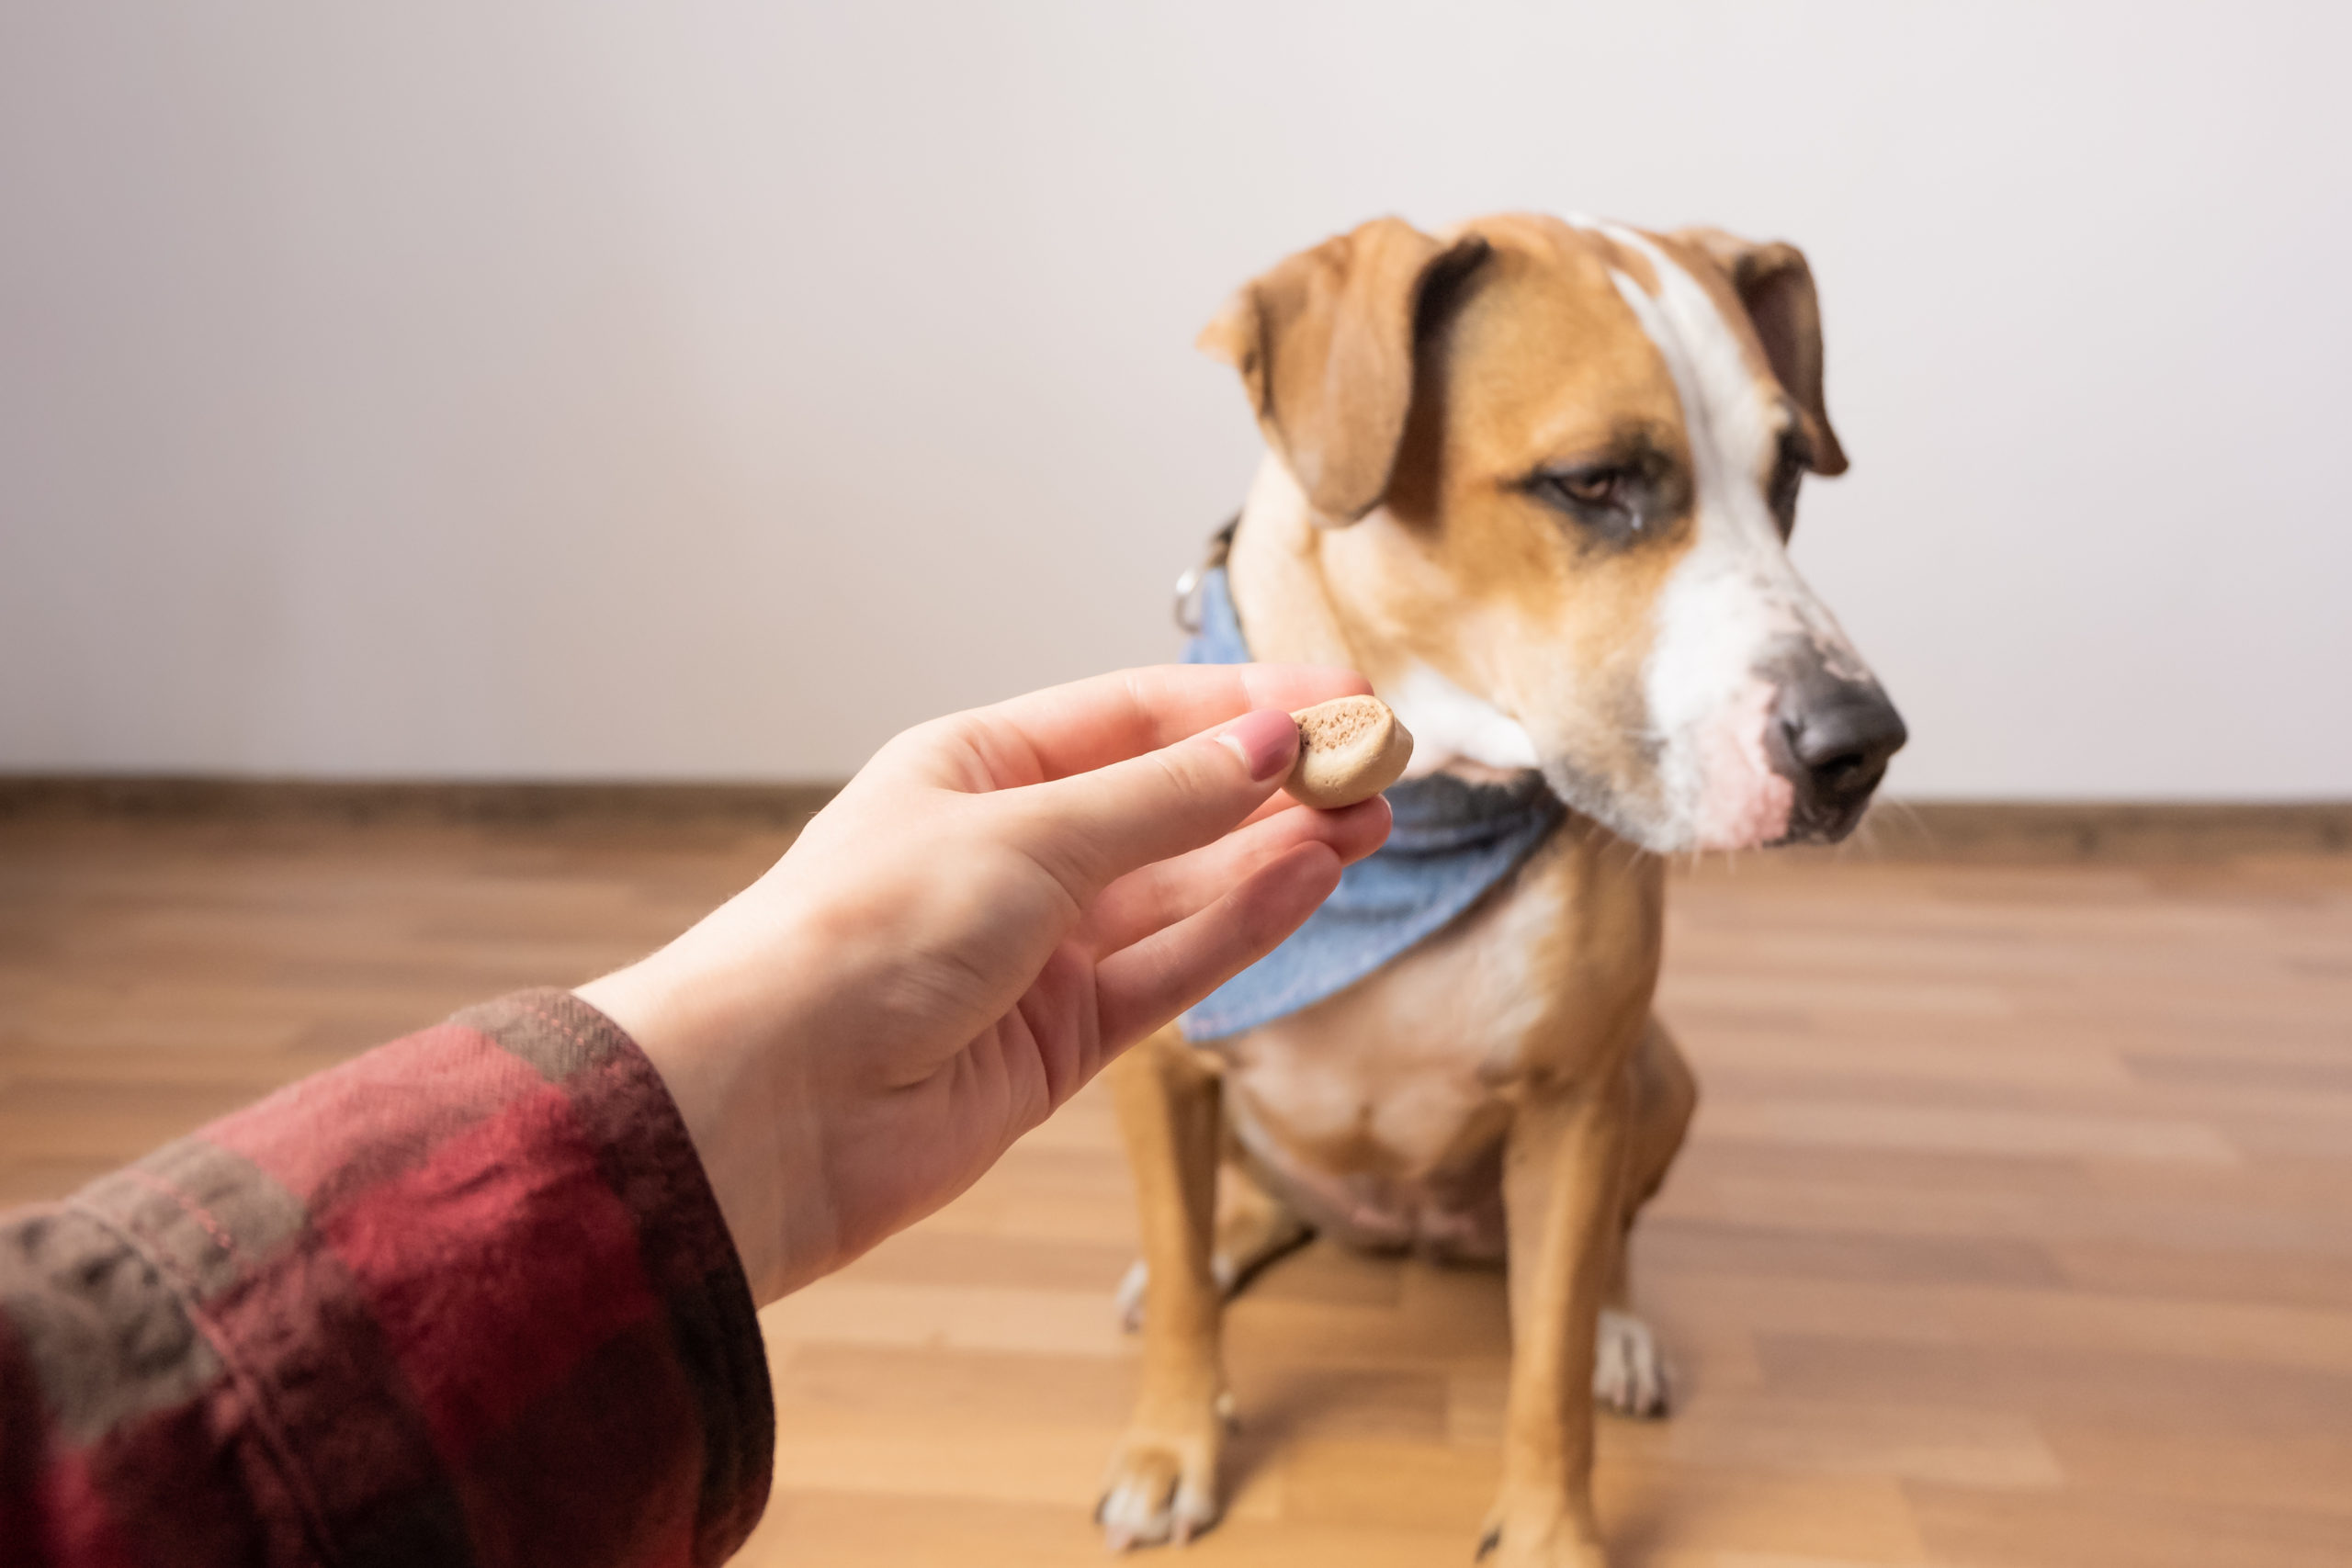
1090, 829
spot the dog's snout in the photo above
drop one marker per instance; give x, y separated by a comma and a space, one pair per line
1835, 736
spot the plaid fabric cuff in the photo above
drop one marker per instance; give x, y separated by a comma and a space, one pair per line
465, 1298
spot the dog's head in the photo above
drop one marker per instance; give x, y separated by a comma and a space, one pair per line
1553, 469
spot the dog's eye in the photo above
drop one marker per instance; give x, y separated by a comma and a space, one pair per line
1608, 499
1615, 499
1602, 488
1788, 475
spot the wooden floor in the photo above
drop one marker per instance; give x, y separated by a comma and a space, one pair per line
2016, 1229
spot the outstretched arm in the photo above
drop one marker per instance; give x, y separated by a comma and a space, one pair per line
489, 1290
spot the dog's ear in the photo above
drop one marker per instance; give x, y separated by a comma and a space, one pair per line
1325, 344
1773, 281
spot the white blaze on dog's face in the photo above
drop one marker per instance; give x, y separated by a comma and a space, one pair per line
1735, 624
1578, 558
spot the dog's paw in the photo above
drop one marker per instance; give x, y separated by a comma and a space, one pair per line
1537, 1538
1629, 1374
1159, 1490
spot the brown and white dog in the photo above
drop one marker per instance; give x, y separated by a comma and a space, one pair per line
1535, 479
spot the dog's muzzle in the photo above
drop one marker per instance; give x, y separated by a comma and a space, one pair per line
1831, 736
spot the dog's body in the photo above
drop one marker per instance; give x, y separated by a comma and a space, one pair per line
1534, 479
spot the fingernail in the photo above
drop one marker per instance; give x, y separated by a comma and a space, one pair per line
1265, 740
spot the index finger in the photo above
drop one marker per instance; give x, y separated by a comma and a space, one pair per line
1093, 723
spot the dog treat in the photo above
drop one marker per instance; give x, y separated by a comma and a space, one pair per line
1350, 748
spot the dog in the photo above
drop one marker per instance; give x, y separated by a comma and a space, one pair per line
1535, 478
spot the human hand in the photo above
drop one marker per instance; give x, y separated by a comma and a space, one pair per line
997, 904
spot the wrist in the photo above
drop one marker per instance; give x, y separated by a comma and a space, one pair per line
722, 1059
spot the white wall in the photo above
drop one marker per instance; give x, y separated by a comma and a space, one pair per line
496, 389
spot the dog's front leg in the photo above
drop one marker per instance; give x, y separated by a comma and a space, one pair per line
1161, 1486
1564, 1176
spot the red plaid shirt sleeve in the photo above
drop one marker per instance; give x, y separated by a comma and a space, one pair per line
465, 1300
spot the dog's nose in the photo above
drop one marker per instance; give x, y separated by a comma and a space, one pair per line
1844, 742
1838, 734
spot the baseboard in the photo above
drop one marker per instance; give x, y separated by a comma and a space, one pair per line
2121, 831
56, 797
1896, 829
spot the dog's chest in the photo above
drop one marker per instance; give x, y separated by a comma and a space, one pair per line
1379, 1112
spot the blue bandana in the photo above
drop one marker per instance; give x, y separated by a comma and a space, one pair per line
1452, 842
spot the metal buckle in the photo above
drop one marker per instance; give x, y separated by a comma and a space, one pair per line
1188, 586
